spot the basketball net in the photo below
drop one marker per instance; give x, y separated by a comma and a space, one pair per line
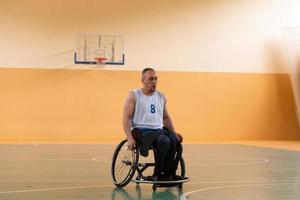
100, 55
100, 60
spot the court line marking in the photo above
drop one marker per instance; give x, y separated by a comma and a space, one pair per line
259, 161
44, 159
184, 196
241, 181
111, 185
97, 159
106, 160
54, 189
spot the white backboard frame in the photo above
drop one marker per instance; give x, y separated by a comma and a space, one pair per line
91, 46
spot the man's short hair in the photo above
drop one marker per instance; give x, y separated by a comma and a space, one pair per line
147, 69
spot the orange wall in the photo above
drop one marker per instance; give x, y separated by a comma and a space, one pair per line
45, 104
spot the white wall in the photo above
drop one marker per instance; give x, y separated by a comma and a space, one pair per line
191, 35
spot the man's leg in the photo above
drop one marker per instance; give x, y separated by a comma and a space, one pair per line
162, 146
176, 160
171, 160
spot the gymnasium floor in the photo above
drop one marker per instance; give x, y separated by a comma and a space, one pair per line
82, 171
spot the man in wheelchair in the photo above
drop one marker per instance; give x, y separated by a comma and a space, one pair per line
147, 124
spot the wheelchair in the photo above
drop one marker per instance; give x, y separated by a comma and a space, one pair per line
125, 163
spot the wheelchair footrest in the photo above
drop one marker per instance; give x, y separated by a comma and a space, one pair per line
173, 182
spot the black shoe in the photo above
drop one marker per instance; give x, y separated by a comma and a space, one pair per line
161, 178
179, 178
164, 178
148, 178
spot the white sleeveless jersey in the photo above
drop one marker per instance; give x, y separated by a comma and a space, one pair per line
148, 113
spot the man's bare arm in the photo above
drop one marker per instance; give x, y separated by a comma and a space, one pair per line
169, 124
129, 107
167, 120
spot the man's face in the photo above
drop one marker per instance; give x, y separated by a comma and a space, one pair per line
149, 81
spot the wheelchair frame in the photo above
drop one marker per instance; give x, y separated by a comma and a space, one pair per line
131, 162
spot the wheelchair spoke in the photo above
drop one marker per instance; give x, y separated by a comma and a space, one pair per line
121, 175
119, 168
123, 166
118, 175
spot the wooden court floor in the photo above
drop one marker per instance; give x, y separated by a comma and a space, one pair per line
82, 171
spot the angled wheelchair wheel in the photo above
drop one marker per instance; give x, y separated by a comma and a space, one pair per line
124, 164
181, 167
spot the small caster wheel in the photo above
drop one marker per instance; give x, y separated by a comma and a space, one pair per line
180, 186
137, 187
138, 190
137, 179
154, 187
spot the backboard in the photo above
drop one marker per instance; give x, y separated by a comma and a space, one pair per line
91, 47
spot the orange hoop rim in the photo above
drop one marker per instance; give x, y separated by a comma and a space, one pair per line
100, 60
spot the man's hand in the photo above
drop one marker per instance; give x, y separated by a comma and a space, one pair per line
179, 137
131, 143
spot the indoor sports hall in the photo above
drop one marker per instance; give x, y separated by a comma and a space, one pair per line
229, 70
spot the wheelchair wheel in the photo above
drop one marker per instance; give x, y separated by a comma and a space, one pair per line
181, 167
124, 164
181, 170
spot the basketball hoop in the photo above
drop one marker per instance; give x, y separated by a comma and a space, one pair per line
100, 60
